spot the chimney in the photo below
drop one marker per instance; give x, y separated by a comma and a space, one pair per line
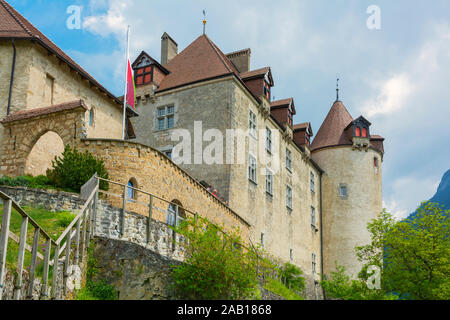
241, 59
169, 49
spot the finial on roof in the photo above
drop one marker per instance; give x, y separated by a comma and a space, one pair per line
337, 89
204, 22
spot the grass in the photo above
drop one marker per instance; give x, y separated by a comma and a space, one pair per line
278, 288
52, 223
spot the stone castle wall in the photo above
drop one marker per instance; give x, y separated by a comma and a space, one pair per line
155, 173
345, 219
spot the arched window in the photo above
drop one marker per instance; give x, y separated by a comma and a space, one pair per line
131, 192
91, 117
364, 132
358, 132
175, 210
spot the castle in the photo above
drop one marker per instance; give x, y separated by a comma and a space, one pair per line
306, 201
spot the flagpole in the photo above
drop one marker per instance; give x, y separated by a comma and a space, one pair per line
126, 85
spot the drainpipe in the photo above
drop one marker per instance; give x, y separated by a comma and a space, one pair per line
12, 78
321, 238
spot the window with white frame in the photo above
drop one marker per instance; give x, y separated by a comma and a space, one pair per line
289, 197
313, 217
252, 168
253, 125
269, 181
313, 182
314, 264
269, 140
289, 160
166, 117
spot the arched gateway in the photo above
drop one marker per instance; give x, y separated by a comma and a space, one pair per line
42, 130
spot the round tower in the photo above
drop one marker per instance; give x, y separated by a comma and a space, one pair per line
351, 185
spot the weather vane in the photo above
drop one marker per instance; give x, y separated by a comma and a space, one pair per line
337, 89
204, 22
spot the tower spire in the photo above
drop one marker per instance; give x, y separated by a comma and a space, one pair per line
204, 22
337, 89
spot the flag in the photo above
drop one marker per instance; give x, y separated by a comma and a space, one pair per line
131, 88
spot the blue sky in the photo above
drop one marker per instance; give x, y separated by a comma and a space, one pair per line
397, 76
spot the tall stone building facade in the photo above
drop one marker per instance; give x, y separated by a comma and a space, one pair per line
305, 201
296, 210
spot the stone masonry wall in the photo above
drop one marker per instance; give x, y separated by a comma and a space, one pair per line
155, 173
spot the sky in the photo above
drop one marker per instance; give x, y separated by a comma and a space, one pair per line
397, 75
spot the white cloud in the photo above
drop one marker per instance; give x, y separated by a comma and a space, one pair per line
393, 96
408, 193
112, 22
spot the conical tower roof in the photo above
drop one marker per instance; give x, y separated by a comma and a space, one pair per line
331, 133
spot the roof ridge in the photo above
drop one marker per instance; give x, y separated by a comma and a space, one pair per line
8, 8
216, 50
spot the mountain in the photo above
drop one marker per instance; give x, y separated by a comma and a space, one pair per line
442, 195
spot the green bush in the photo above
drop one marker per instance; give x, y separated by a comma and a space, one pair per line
215, 268
73, 169
291, 276
64, 219
40, 182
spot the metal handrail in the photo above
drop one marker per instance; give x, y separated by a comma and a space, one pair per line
84, 228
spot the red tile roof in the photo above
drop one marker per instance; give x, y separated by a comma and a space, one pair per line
14, 26
255, 73
331, 133
33, 113
284, 102
302, 126
201, 60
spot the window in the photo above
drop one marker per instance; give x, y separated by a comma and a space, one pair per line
291, 254
168, 153
269, 182
131, 192
375, 162
143, 75
269, 140
289, 197
313, 217
364, 132
358, 132
343, 191
267, 90
314, 264
313, 182
166, 118
252, 169
175, 210
253, 124
262, 239
289, 160
91, 117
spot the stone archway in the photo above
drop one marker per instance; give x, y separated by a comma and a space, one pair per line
23, 131
47, 147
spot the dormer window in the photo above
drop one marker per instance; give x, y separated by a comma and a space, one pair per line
143, 75
267, 90
361, 127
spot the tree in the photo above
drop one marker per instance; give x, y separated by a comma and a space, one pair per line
216, 266
413, 254
291, 276
417, 255
340, 286
73, 169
